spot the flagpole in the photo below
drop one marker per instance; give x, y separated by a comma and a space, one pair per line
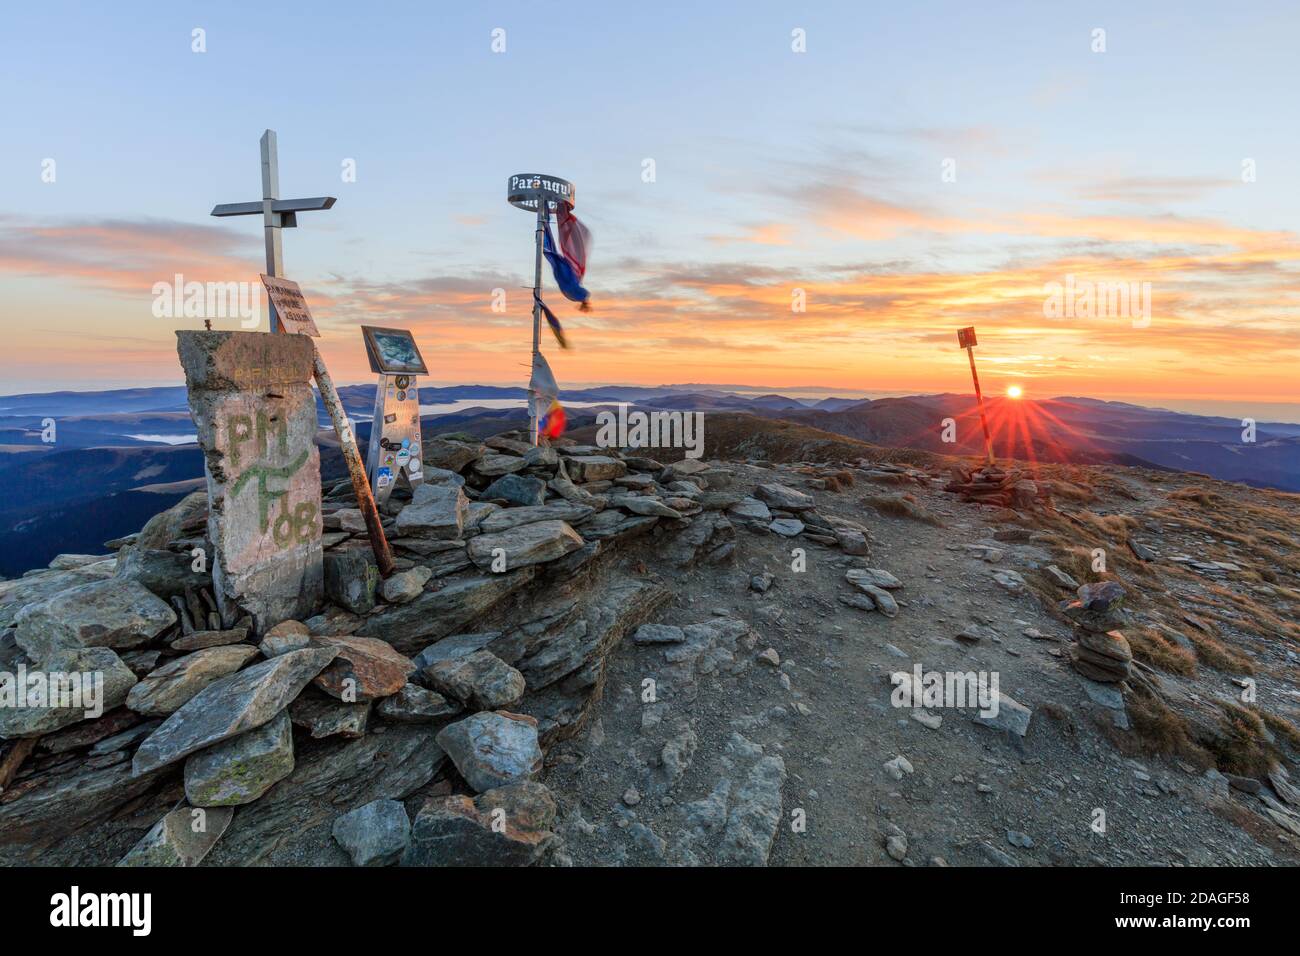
537, 316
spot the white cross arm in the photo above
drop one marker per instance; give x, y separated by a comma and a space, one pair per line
277, 205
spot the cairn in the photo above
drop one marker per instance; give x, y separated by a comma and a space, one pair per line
1101, 652
991, 485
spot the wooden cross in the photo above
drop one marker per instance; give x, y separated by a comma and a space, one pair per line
276, 213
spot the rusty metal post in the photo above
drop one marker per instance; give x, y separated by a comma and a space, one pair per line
979, 397
356, 470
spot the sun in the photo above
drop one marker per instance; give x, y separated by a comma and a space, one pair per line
1014, 391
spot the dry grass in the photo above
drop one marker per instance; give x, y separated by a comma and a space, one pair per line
901, 506
1151, 647
1242, 747
1159, 731
1214, 653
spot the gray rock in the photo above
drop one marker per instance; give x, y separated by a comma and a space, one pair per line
525, 545
165, 573
865, 578
231, 706
783, 497
170, 686
883, 600
351, 578
754, 816
852, 542
436, 511
493, 749
521, 490
491, 465
438, 613
375, 834
117, 613
451, 455
645, 505
456, 645
181, 838
658, 634
787, 527
1010, 580
405, 585
1011, 716
480, 680
241, 769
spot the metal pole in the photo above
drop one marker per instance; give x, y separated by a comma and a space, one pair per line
537, 315
271, 220
979, 397
356, 470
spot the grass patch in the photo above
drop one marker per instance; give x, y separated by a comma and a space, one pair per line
1241, 746
1153, 648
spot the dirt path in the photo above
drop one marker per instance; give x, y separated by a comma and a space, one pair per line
700, 757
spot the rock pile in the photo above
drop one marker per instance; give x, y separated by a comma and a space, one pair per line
1101, 652
1004, 488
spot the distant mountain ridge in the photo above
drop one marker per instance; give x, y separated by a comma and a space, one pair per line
112, 444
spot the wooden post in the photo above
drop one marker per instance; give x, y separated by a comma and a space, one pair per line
966, 339
356, 470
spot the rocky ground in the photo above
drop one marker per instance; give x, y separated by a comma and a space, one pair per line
597, 658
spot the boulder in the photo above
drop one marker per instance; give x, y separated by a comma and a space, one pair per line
241, 769
364, 668
165, 573
451, 455
751, 509
165, 690
493, 748
506, 826
519, 490
786, 527
375, 834
492, 465
117, 613
525, 545
231, 706
480, 680
435, 511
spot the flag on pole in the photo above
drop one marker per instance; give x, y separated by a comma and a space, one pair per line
566, 277
556, 329
544, 393
575, 238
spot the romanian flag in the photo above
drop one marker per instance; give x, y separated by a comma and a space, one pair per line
575, 238
566, 276
551, 425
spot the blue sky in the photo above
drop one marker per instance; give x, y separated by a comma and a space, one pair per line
773, 169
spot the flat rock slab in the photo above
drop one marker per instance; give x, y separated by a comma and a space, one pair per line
786, 527
493, 749
165, 690
520, 490
595, 468
414, 704
872, 578
754, 816
525, 545
231, 706
241, 769
113, 613
504, 519
1011, 716
323, 716
364, 669
447, 610
784, 497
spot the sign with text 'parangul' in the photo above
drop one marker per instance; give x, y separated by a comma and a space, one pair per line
525, 190
290, 306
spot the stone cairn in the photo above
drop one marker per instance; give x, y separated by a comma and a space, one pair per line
1101, 653
991, 485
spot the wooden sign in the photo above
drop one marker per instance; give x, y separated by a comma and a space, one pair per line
966, 337
290, 306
